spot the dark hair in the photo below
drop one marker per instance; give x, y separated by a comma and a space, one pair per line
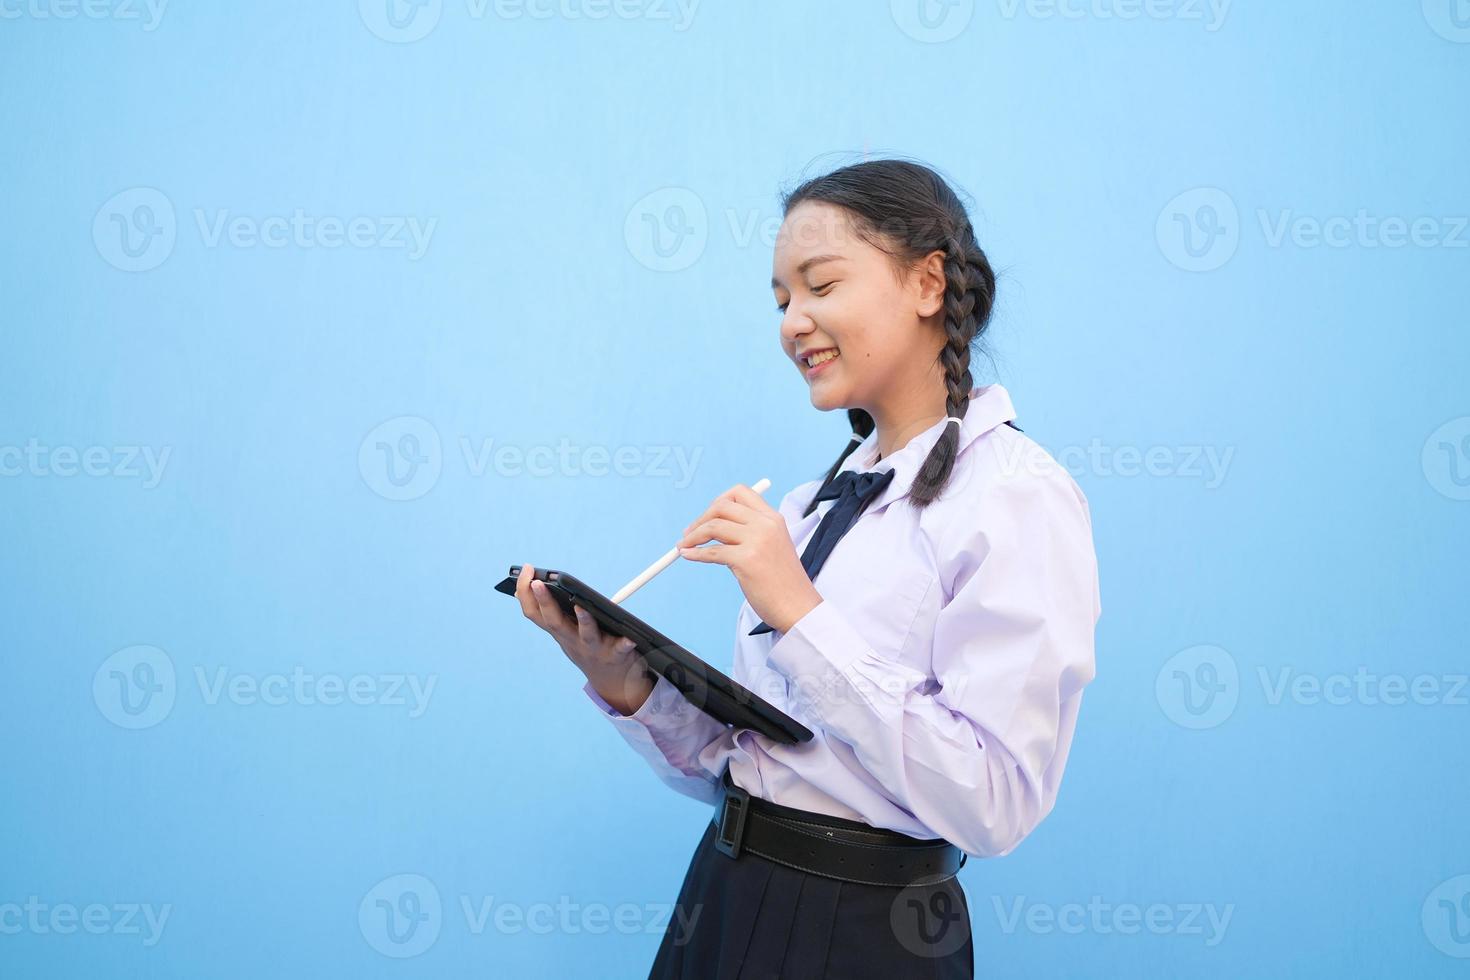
908, 211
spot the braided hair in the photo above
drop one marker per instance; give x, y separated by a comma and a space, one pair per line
908, 211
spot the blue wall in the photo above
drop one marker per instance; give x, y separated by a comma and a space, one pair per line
253, 667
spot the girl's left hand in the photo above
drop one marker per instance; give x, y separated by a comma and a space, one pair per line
757, 547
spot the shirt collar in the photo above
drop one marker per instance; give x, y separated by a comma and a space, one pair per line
990, 406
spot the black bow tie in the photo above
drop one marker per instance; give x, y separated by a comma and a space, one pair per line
852, 491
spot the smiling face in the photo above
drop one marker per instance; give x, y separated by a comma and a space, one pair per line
838, 292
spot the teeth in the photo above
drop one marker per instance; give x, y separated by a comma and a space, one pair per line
819, 358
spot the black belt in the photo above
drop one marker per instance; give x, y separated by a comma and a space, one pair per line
828, 846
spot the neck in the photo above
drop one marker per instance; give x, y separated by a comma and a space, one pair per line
904, 416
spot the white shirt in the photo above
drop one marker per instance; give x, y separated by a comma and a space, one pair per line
943, 670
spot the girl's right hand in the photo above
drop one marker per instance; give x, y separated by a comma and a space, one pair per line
611, 663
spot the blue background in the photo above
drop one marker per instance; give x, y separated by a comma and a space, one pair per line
603, 194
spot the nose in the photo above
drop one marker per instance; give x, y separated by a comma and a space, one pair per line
794, 325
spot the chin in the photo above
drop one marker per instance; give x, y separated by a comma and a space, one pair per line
826, 401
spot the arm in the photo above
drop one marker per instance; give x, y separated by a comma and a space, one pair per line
668, 732
977, 758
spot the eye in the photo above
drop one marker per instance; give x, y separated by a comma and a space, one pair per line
818, 290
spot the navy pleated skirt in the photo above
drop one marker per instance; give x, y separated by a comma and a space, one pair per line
746, 918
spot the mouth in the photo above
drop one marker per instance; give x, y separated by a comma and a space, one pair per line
819, 361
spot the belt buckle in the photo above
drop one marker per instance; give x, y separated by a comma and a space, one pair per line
734, 806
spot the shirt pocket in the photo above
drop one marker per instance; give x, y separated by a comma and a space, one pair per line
882, 606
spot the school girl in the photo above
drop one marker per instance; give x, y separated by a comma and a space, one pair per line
927, 608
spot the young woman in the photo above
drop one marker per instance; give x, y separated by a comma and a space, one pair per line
939, 656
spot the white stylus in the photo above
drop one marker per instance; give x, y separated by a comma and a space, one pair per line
644, 577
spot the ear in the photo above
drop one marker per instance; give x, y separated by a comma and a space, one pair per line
930, 284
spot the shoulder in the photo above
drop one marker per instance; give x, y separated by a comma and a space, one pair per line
1005, 485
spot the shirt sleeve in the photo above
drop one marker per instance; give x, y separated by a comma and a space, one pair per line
669, 732
976, 751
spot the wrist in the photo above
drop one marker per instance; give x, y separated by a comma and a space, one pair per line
625, 693
808, 601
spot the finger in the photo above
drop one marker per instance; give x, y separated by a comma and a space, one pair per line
718, 529
730, 510
727, 496
587, 627
747, 497
552, 618
524, 596
708, 513
714, 553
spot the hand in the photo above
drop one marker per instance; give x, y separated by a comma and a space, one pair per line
610, 663
757, 548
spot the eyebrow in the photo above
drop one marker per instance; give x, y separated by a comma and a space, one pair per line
814, 260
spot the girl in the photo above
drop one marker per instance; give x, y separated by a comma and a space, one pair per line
939, 657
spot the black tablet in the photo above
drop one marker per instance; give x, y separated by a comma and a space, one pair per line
705, 687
